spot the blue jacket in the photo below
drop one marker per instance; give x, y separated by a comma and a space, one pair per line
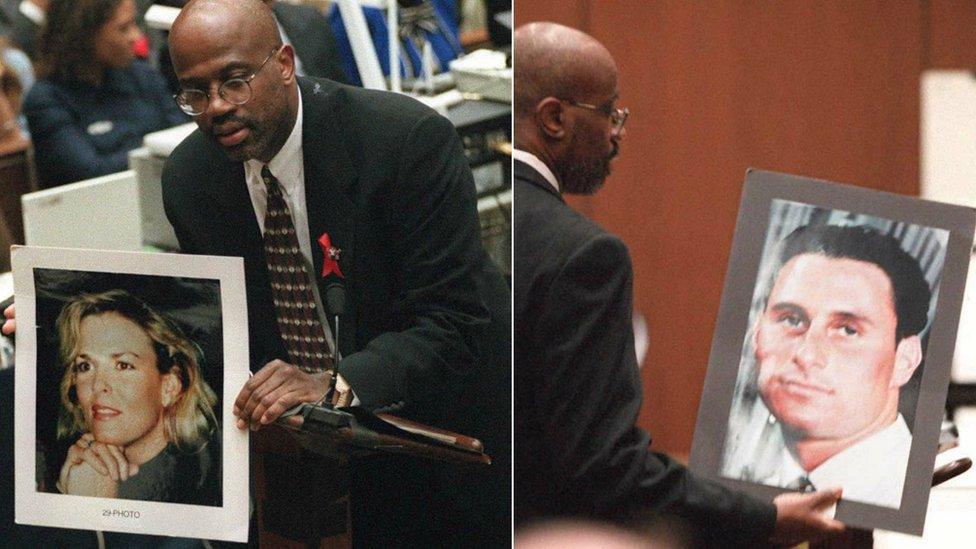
80, 131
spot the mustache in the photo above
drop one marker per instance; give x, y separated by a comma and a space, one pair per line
229, 118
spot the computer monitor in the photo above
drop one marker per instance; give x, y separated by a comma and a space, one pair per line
104, 213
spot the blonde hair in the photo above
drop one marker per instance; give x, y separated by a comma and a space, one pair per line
189, 421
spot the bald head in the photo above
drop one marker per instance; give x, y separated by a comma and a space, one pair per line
245, 21
565, 95
552, 60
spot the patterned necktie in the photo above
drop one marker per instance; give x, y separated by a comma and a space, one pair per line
299, 323
801, 483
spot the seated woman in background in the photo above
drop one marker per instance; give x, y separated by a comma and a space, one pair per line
134, 401
12, 138
16, 79
93, 101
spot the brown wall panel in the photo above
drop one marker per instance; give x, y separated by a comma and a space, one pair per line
822, 89
951, 28
572, 13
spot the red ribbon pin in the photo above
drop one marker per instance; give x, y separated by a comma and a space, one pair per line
330, 255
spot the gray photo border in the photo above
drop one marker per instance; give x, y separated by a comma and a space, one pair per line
760, 189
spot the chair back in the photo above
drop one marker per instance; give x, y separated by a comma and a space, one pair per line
16, 178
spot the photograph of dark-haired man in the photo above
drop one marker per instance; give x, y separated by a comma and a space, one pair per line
837, 339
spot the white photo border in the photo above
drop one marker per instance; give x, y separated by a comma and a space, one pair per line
230, 521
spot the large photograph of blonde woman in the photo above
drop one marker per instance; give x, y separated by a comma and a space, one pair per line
128, 387
124, 364
134, 403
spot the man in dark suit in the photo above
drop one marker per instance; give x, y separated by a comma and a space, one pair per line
425, 333
577, 387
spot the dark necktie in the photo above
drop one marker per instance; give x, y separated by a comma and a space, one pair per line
802, 483
299, 323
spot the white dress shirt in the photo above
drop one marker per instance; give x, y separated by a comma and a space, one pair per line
538, 165
288, 167
870, 471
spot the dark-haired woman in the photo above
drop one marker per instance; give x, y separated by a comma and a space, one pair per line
93, 101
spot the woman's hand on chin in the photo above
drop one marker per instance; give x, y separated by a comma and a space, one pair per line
94, 466
84, 480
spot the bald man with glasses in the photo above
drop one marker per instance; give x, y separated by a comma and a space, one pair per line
578, 451
313, 182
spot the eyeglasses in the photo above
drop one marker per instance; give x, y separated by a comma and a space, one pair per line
617, 116
234, 90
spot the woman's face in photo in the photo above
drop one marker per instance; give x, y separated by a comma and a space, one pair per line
119, 388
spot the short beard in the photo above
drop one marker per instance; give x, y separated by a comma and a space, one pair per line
264, 141
585, 175
242, 151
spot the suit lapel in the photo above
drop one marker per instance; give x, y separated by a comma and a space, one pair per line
237, 207
239, 234
330, 186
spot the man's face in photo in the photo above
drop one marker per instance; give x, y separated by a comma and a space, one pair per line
826, 350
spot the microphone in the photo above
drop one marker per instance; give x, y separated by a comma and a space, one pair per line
335, 306
335, 299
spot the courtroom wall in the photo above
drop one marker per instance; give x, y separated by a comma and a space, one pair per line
821, 89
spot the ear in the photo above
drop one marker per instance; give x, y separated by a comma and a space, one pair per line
908, 355
169, 389
286, 57
754, 333
552, 117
